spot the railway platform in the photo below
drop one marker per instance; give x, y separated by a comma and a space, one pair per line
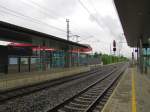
131, 94
17, 80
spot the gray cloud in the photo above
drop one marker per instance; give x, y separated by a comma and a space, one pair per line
62, 7
53, 9
49, 11
108, 24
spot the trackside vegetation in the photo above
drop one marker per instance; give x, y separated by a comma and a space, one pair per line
108, 59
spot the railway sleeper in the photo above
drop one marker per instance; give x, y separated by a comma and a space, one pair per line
69, 108
81, 101
94, 93
89, 96
85, 98
78, 104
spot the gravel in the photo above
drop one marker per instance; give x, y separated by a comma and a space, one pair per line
46, 99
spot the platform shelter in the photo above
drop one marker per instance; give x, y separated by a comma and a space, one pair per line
26, 50
134, 17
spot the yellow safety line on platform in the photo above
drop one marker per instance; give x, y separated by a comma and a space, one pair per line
114, 91
133, 92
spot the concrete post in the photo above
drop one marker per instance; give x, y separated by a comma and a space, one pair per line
141, 56
146, 60
67, 57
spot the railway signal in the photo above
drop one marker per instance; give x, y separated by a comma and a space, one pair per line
114, 46
136, 50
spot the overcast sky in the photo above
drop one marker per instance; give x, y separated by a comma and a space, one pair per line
95, 21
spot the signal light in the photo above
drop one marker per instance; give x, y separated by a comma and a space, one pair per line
114, 49
114, 43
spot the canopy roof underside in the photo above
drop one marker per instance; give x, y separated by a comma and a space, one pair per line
135, 19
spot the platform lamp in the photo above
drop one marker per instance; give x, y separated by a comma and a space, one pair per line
133, 58
149, 41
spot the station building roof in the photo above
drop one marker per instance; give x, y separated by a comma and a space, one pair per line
14, 33
135, 19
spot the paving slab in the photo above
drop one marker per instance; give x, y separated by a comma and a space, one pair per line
132, 93
120, 101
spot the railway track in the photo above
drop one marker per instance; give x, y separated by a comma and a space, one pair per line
19, 92
100, 104
93, 97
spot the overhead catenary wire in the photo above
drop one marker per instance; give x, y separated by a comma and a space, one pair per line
12, 14
31, 19
48, 13
110, 31
35, 20
95, 18
43, 9
47, 10
81, 3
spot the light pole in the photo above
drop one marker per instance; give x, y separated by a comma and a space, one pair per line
67, 20
77, 38
120, 47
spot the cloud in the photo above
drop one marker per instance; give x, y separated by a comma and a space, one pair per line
108, 24
39, 8
48, 13
55, 8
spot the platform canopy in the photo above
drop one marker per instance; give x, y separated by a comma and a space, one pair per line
13, 33
135, 20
